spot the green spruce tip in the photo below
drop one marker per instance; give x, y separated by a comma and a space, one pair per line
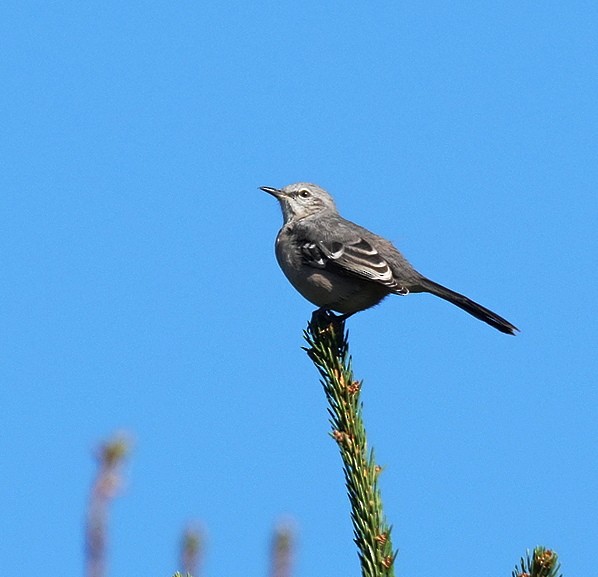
541, 563
329, 351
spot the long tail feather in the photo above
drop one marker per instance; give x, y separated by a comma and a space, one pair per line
473, 308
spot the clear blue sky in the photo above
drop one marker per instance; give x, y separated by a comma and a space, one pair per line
139, 289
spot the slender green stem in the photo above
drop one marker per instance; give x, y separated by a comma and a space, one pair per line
329, 351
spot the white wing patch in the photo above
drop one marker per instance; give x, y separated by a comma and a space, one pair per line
313, 255
359, 258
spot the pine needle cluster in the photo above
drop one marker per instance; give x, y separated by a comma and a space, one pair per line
329, 350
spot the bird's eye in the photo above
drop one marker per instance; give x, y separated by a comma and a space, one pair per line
304, 193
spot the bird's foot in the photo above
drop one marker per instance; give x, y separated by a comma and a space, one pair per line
324, 318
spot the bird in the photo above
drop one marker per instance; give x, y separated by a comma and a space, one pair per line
342, 267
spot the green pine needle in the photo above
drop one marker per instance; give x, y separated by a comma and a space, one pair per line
329, 351
541, 563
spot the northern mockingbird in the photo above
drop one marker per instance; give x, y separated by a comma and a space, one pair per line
341, 266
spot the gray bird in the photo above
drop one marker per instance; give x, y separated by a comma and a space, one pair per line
341, 266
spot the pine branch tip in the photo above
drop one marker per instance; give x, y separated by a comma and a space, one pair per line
328, 349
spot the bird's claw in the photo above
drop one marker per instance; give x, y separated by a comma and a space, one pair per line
323, 318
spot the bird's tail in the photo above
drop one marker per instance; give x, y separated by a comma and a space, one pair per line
473, 308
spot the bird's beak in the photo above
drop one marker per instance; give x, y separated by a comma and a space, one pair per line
276, 192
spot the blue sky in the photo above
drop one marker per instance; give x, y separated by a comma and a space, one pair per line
139, 289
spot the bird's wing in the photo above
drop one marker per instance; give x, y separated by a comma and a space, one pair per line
357, 257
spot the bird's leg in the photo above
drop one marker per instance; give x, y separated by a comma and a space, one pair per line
344, 317
324, 317
328, 325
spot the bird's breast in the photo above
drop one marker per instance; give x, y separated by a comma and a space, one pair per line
321, 286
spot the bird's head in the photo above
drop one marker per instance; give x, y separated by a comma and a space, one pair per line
301, 199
